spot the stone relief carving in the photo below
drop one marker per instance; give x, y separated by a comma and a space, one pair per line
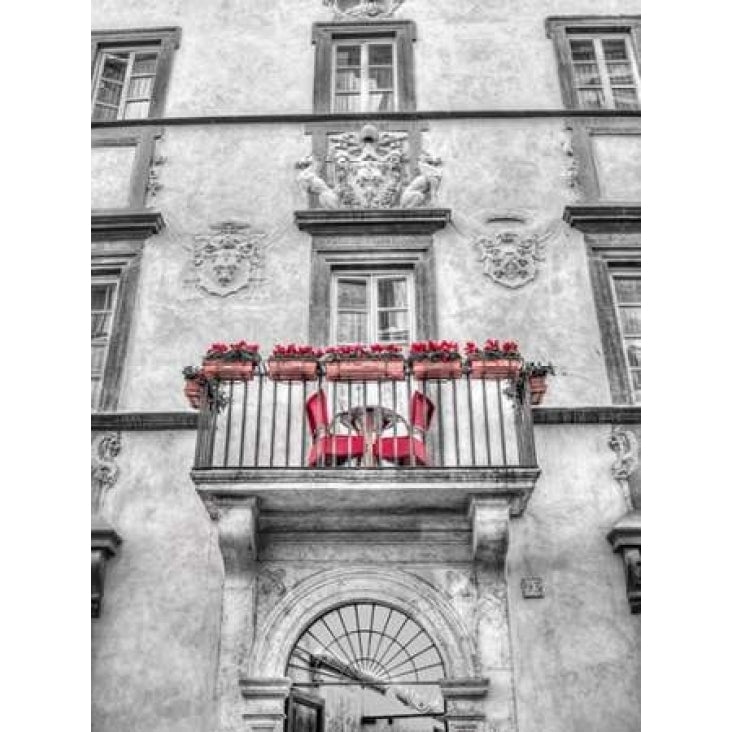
345, 9
270, 583
311, 183
571, 172
511, 251
229, 259
624, 443
532, 587
423, 189
104, 468
153, 184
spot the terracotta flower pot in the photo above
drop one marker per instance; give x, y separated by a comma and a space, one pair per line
437, 369
537, 389
494, 368
291, 369
192, 390
364, 370
229, 370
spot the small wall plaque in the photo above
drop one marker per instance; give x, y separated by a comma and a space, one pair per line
532, 587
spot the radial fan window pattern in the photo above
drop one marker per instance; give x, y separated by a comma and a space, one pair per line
365, 642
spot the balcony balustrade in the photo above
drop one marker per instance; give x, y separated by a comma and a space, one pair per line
264, 424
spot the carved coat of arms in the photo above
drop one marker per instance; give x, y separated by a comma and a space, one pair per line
511, 252
228, 259
363, 8
368, 168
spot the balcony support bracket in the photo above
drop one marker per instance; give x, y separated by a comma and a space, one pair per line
489, 518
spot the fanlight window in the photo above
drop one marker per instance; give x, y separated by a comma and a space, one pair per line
369, 644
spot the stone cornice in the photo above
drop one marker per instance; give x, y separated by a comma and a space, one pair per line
587, 415
329, 222
126, 224
142, 421
604, 217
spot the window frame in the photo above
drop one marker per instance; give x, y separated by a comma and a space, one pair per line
627, 271
560, 29
164, 40
373, 277
364, 92
402, 33
102, 276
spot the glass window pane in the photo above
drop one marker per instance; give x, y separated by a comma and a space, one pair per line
614, 49
104, 112
347, 103
591, 98
636, 376
630, 321
109, 92
144, 63
620, 73
380, 55
352, 328
625, 98
352, 295
101, 296
381, 102
115, 67
97, 357
348, 56
582, 50
140, 87
627, 289
380, 79
349, 80
393, 327
587, 75
136, 110
634, 354
392, 293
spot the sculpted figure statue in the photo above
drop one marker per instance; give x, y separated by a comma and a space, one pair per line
310, 182
424, 187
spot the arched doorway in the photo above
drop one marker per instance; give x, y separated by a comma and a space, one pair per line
365, 666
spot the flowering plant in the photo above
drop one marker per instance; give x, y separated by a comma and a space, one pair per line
434, 351
358, 351
239, 351
193, 373
534, 368
291, 351
493, 349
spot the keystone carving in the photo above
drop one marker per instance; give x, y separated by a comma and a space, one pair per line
345, 9
104, 469
229, 259
511, 252
490, 518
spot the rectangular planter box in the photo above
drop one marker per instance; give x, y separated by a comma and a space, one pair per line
437, 369
495, 368
229, 370
367, 370
292, 370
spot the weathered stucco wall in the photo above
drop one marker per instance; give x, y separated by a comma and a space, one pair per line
494, 55
154, 645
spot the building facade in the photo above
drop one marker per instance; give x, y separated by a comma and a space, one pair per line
344, 555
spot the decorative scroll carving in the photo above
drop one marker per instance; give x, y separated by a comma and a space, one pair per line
345, 9
228, 260
511, 252
104, 468
237, 525
423, 189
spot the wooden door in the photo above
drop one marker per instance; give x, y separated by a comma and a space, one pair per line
304, 713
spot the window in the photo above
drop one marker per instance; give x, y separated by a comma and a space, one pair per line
364, 77
364, 67
599, 60
373, 307
130, 72
124, 84
103, 301
627, 298
603, 72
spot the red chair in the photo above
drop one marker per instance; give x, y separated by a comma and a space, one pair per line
328, 449
409, 449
